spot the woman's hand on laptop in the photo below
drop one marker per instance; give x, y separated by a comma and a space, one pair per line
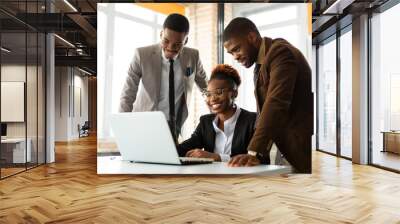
199, 153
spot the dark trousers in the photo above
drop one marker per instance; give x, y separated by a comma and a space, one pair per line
297, 151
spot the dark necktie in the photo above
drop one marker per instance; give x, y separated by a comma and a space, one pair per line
172, 100
256, 73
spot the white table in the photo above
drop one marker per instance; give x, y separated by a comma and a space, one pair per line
114, 165
18, 149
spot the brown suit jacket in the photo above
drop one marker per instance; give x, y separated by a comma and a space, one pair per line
285, 104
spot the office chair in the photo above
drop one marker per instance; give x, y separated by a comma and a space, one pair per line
84, 130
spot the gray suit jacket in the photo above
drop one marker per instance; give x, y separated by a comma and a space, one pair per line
141, 91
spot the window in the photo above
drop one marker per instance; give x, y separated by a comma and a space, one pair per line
274, 16
346, 94
327, 97
385, 85
122, 28
335, 74
22, 65
293, 27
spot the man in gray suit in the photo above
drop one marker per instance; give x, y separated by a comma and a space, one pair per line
161, 76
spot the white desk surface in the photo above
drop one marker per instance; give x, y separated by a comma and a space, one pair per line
114, 165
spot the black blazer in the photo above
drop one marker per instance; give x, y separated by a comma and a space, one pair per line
204, 135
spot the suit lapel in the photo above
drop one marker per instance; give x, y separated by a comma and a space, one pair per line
261, 79
155, 79
256, 84
210, 136
183, 61
236, 134
183, 108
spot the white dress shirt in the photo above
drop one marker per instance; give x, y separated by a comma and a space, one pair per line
223, 139
163, 103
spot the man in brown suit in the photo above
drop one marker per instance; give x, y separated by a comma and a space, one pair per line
282, 80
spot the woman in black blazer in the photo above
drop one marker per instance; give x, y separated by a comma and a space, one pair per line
227, 131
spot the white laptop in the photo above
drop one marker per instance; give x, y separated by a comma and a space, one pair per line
145, 137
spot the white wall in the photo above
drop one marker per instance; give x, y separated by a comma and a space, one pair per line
61, 103
70, 83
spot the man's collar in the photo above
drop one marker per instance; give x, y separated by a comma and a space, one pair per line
261, 52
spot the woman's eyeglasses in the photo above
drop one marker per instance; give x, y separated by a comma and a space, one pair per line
215, 93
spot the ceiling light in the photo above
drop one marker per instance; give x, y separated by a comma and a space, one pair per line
84, 71
65, 41
80, 51
70, 5
5, 50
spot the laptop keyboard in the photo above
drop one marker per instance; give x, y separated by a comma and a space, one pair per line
191, 160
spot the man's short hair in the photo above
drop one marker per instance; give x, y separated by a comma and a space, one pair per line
177, 22
239, 26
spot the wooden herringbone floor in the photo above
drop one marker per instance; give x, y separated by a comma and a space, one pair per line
70, 191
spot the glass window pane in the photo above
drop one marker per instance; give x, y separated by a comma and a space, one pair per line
13, 87
116, 46
346, 94
327, 97
23, 92
41, 98
123, 51
31, 100
385, 88
291, 31
271, 16
136, 11
160, 19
